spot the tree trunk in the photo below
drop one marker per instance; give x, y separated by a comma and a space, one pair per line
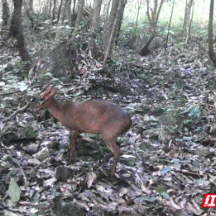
109, 27
29, 11
63, 11
154, 15
137, 17
190, 24
119, 20
170, 21
210, 33
79, 17
153, 20
107, 8
95, 25
69, 12
31, 5
62, 18
16, 30
74, 15
5, 13
54, 10
187, 16
59, 10
145, 50
50, 9
203, 13
109, 44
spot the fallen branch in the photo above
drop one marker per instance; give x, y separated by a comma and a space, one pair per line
186, 172
17, 111
17, 162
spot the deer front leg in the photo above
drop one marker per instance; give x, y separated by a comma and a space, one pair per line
73, 138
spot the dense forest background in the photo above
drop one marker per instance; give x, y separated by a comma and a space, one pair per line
155, 59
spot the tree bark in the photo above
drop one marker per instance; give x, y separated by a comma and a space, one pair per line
62, 18
137, 17
29, 11
63, 11
5, 13
74, 15
54, 10
109, 44
107, 8
31, 5
153, 20
203, 12
119, 20
145, 50
16, 30
59, 10
109, 27
187, 16
154, 15
190, 24
69, 12
79, 17
95, 25
210, 33
170, 21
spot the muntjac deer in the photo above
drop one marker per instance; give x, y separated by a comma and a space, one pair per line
96, 116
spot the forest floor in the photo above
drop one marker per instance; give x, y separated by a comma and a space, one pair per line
168, 160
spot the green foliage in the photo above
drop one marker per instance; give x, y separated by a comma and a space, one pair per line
131, 10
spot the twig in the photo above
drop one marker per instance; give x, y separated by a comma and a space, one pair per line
9, 93
186, 172
15, 161
42, 162
17, 111
24, 176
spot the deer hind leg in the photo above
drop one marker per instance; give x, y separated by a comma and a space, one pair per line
110, 140
73, 138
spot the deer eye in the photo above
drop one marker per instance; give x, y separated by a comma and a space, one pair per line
42, 99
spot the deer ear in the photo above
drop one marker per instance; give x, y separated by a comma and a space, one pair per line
50, 95
47, 92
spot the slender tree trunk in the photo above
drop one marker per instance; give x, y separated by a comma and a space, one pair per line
31, 7
59, 10
62, 18
63, 11
30, 11
108, 29
69, 12
137, 17
115, 30
203, 13
79, 16
187, 16
74, 15
109, 44
5, 13
54, 10
170, 21
16, 30
50, 10
95, 25
107, 8
190, 24
145, 51
122, 5
210, 33
153, 20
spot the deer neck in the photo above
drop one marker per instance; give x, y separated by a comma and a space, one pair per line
56, 110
